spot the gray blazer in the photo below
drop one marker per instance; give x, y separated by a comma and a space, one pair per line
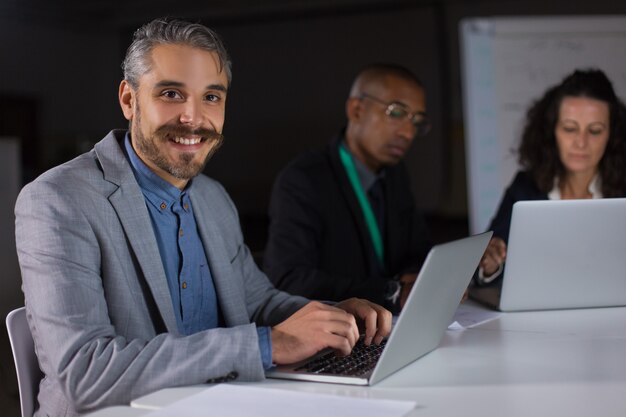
97, 299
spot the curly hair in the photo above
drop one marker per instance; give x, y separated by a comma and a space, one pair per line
538, 153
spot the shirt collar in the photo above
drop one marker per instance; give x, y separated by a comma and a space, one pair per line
366, 176
155, 189
595, 188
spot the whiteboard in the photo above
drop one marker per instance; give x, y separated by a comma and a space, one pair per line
509, 62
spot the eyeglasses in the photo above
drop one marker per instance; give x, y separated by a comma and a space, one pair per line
398, 111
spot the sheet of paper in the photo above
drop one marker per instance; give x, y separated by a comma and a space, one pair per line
226, 400
455, 325
469, 314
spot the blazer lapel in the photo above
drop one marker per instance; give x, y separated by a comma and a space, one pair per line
130, 205
350, 197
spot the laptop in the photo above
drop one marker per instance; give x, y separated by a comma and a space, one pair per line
429, 310
563, 254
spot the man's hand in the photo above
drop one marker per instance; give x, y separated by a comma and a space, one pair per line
314, 327
317, 326
494, 256
377, 319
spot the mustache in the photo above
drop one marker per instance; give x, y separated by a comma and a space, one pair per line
182, 131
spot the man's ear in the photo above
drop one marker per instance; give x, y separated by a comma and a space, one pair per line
353, 109
126, 96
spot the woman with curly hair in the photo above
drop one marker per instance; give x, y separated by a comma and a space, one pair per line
573, 146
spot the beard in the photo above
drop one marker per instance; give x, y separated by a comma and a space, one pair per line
184, 167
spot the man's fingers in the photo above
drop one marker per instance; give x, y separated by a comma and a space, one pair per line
371, 327
319, 326
332, 320
377, 321
338, 343
347, 329
384, 325
312, 328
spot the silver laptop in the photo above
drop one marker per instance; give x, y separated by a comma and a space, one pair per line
427, 313
563, 254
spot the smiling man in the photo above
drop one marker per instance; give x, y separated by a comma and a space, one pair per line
179, 131
135, 273
343, 221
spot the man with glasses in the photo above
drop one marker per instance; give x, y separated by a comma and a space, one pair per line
343, 221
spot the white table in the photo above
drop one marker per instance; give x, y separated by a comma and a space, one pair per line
119, 411
551, 363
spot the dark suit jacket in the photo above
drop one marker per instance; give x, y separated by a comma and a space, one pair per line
319, 244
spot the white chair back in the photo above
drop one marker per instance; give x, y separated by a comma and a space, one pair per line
26, 366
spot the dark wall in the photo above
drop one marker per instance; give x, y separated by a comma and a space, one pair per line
291, 81
71, 75
292, 72
293, 66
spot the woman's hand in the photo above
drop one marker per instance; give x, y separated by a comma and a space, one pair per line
494, 256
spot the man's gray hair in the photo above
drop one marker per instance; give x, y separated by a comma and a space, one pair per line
173, 32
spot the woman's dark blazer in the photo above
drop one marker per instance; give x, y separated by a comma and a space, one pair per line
522, 188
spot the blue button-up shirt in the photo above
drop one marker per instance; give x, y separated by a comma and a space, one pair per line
182, 253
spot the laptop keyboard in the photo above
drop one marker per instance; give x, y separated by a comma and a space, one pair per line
362, 360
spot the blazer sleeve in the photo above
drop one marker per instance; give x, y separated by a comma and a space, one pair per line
522, 188
502, 220
265, 305
89, 359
